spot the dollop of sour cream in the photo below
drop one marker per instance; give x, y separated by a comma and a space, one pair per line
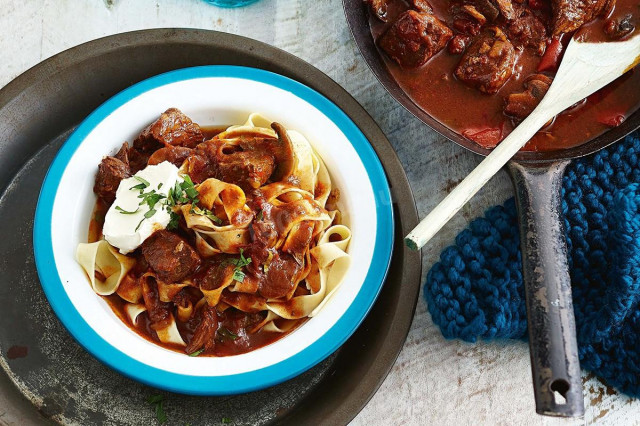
129, 220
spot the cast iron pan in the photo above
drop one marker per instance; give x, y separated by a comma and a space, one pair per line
65, 384
537, 178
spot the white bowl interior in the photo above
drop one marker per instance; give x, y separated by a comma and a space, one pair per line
210, 101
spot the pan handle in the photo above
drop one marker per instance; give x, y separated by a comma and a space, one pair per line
552, 330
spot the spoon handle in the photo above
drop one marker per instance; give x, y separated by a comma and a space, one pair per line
462, 193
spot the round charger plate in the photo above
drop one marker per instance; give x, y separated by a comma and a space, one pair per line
61, 381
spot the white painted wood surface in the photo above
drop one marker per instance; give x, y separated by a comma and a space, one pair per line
434, 381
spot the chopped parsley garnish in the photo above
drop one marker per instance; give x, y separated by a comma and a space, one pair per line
183, 192
196, 353
150, 198
225, 333
175, 220
226, 420
238, 275
206, 213
158, 401
260, 215
142, 185
123, 211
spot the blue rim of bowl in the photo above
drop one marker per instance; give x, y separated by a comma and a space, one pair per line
237, 383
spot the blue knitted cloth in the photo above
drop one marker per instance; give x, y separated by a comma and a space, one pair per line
476, 290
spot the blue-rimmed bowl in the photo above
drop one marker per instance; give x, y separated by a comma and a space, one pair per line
212, 95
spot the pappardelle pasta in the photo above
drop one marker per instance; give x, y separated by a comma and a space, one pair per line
215, 241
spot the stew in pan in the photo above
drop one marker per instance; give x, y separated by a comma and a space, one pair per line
481, 66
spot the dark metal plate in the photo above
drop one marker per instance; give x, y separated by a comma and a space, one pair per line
59, 381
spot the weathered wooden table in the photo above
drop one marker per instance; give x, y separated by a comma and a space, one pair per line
434, 381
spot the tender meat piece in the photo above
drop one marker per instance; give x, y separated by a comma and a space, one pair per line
421, 6
379, 8
205, 333
414, 38
475, 14
617, 29
247, 169
172, 128
467, 26
458, 44
157, 310
123, 154
215, 274
264, 236
487, 8
170, 256
281, 277
110, 172
248, 164
488, 62
569, 15
528, 31
173, 154
520, 105
506, 9
201, 164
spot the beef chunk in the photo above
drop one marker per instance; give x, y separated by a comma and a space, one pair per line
110, 172
379, 8
170, 256
205, 332
172, 128
247, 169
528, 31
458, 44
173, 154
248, 164
569, 15
487, 8
421, 6
488, 62
506, 9
123, 154
474, 13
414, 38
280, 278
158, 311
617, 29
520, 105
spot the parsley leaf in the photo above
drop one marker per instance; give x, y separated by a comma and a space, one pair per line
150, 213
226, 420
142, 181
206, 213
238, 275
139, 186
225, 333
196, 353
183, 192
123, 211
158, 401
174, 221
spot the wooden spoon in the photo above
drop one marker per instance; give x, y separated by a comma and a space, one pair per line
585, 69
